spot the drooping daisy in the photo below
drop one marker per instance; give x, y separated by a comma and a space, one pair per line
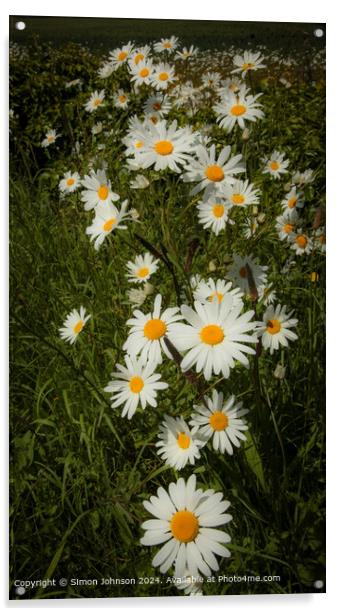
215, 336
165, 146
147, 332
213, 175
163, 75
106, 220
301, 243
135, 383
120, 55
207, 291
141, 72
293, 200
214, 213
97, 190
140, 182
142, 268
275, 330
319, 239
190, 584
50, 138
70, 182
248, 62
286, 224
178, 444
276, 165
306, 177
74, 324
238, 108
238, 272
95, 101
166, 44
220, 421
121, 99
184, 519
186, 53
158, 103
105, 70
242, 193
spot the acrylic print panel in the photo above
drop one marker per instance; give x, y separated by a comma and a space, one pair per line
167, 222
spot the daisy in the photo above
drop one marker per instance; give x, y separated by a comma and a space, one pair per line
214, 214
105, 70
142, 268
121, 99
211, 174
275, 330
163, 75
136, 297
242, 193
98, 190
211, 80
73, 325
238, 272
148, 331
250, 227
106, 220
120, 55
96, 100
165, 146
320, 239
135, 383
267, 294
190, 584
275, 165
230, 85
248, 62
186, 53
141, 72
205, 292
70, 182
306, 177
139, 182
157, 104
286, 224
139, 54
50, 138
166, 44
215, 336
301, 243
178, 445
238, 108
292, 200
184, 519
220, 421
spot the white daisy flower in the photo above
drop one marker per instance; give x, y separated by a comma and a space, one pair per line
306, 177
300, 243
74, 324
238, 108
50, 138
163, 75
142, 268
250, 227
242, 193
215, 336
214, 213
120, 55
194, 281
136, 297
213, 175
186, 53
147, 332
139, 182
139, 54
190, 584
105, 70
211, 80
230, 85
165, 146
184, 519
178, 444
141, 72
97, 128
276, 165
96, 100
248, 62
267, 294
275, 330
121, 99
207, 291
166, 44
98, 190
292, 201
157, 104
106, 220
238, 272
220, 421
286, 224
70, 182
135, 383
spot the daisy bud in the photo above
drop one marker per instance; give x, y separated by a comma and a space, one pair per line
280, 371
287, 186
136, 297
134, 214
139, 182
148, 288
261, 217
212, 266
246, 134
255, 210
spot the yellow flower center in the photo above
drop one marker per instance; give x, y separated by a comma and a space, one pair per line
163, 76
97, 101
167, 45
214, 173
301, 241
122, 56
50, 138
288, 228
292, 202
142, 272
122, 98
103, 192
218, 295
78, 327
273, 326
154, 329
138, 58
184, 526
218, 421
322, 238
212, 334
70, 182
247, 65
164, 148
274, 165
183, 440
136, 384
238, 110
139, 144
243, 272
238, 199
218, 210
144, 72
107, 226
156, 106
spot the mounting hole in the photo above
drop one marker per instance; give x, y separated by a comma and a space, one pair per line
318, 32
20, 25
318, 584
